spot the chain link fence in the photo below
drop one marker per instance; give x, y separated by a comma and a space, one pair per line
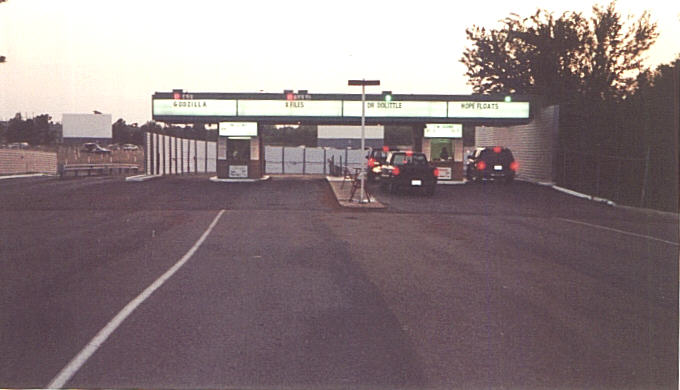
623, 179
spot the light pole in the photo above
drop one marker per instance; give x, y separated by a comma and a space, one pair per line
363, 83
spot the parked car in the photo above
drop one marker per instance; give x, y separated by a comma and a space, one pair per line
491, 163
19, 145
112, 146
130, 147
92, 147
408, 170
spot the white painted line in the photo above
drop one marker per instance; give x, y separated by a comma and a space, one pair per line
79, 360
619, 231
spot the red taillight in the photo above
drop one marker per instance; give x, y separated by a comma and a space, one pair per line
481, 165
386, 148
396, 171
371, 163
436, 172
514, 166
409, 153
497, 149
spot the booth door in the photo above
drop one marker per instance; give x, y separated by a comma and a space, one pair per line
238, 155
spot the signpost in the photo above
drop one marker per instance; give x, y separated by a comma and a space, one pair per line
363, 83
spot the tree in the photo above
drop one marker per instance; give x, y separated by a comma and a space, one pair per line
2, 58
560, 58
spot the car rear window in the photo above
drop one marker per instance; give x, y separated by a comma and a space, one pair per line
505, 156
379, 155
417, 159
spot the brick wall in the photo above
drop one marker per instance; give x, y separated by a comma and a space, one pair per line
27, 161
534, 145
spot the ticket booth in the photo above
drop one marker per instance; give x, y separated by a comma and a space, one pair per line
443, 146
239, 151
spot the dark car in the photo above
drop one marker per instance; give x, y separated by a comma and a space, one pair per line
491, 163
404, 170
92, 147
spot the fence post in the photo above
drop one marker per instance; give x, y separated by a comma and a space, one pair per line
304, 160
324, 162
158, 154
346, 157
195, 156
283, 160
176, 162
597, 176
181, 155
206, 154
564, 169
617, 196
645, 178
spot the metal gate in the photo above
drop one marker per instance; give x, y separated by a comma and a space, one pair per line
290, 160
166, 155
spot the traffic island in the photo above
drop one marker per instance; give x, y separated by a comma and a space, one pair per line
342, 189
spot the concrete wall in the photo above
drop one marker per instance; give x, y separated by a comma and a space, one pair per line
534, 145
27, 161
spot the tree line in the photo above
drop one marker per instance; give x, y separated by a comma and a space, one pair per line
610, 103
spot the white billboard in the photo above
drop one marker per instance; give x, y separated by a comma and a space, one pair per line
86, 125
350, 132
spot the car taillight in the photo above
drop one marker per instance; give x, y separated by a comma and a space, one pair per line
497, 149
436, 172
396, 171
409, 153
371, 163
514, 166
481, 165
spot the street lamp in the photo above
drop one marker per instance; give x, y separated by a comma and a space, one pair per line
363, 83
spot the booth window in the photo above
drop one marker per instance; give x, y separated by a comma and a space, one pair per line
441, 149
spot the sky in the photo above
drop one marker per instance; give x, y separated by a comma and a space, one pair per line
77, 56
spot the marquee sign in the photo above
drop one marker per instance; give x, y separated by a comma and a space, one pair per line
337, 108
518, 110
238, 129
211, 107
443, 130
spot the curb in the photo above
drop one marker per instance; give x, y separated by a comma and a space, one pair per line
372, 205
610, 202
215, 179
139, 178
583, 196
22, 176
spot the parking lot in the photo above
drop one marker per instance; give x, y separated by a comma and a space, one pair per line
478, 286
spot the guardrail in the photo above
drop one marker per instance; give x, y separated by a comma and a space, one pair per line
96, 169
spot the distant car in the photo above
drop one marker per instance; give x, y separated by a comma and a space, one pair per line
18, 145
407, 169
491, 163
92, 147
112, 146
130, 147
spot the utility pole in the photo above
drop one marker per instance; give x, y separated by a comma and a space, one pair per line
363, 83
